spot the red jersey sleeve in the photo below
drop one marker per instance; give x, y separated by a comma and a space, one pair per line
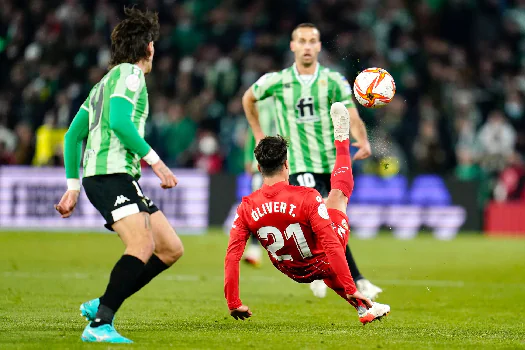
239, 235
322, 226
317, 214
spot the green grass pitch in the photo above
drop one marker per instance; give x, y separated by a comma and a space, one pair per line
464, 294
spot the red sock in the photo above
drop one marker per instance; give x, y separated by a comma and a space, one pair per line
342, 178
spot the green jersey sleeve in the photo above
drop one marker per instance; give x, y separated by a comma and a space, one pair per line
129, 82
120, 111
266, 85
76, 133
342, 89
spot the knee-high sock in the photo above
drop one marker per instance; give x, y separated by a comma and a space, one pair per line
342, 177
122, 281
343, 180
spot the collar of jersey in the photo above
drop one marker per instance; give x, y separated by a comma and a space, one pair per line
298, 76
274, 189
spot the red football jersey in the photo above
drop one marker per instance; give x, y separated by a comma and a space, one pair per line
286, 219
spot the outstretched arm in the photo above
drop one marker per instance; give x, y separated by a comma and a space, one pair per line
77, 132
239, 235
340, 271
322, 226
336, 257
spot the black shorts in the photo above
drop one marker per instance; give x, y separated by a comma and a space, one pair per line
116, 196
321, 182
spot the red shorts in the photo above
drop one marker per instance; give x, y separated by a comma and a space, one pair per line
318, 268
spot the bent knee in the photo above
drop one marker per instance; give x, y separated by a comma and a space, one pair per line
170, 254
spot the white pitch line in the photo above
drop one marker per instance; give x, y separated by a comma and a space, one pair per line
266, 279
423, 283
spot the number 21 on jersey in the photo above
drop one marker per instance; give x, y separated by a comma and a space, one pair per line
293, 230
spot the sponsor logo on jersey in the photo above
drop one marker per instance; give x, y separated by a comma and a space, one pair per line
120, 200
305, 107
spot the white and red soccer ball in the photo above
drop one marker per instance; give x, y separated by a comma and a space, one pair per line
374, 88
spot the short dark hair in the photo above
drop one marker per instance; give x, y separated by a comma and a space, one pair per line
271, 153
131, 37
306, 25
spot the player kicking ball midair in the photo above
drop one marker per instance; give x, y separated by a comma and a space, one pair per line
302, 95
305, 238
112, 119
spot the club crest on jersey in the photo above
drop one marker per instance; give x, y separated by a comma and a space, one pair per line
344, 224
322, 211
133, 82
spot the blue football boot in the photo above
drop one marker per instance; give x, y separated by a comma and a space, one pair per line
89, 309
103, 334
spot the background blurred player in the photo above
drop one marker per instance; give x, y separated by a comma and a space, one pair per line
113, 118
266, 112
303, 94
304, 238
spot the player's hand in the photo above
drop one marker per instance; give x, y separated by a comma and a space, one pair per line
354, 299
168, 180
241, 313
67, 203
364, 152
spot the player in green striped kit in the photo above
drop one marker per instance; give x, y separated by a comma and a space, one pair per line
303, 95
112, 119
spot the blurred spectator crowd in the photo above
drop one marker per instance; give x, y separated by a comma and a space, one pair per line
459, 66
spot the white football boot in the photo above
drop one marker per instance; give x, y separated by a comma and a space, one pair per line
319, 288
376, 312
341, 121
368, 289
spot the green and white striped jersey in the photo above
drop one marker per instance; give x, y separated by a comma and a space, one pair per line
105, 153
303, 114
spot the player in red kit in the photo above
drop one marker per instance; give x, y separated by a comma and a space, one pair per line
304, 236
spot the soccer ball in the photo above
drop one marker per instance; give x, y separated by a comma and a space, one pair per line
374, 88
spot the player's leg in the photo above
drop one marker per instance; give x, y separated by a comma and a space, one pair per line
342, 184
119, 199
136, 233
168, 249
